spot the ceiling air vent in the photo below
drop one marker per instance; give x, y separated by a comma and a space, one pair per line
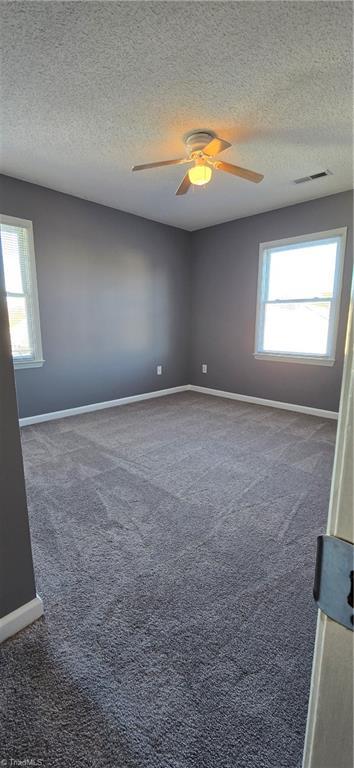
313, 176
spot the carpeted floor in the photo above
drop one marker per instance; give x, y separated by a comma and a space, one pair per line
174, 544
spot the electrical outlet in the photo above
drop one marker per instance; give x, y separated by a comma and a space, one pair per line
159, 370
204, 368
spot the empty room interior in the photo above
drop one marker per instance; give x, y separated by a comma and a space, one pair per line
176, 390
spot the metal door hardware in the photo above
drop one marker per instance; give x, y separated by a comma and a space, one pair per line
333, 588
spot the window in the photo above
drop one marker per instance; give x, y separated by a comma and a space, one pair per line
299, 285
21, 291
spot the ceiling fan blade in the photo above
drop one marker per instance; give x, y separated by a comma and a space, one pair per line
215, 146
244, 173
180, 161
184, 185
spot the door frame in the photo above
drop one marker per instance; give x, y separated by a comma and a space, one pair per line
329, 731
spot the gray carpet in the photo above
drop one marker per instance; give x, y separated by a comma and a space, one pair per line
174, 543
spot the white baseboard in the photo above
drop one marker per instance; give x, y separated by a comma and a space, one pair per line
270, 403
26, 421
20, 618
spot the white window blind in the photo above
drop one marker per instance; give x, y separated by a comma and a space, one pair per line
21, 291
299, 286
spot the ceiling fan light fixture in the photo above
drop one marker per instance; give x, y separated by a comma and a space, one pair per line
201, 149
200, 174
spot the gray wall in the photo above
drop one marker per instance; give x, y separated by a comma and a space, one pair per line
16, 571
225, 269
119, 294
114, 297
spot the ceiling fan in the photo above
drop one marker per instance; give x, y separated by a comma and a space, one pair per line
202, 147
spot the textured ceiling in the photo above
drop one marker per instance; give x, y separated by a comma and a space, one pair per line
90, 88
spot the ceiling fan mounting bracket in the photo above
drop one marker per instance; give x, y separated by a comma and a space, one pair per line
197, 140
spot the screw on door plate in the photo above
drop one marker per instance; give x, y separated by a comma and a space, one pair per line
350, 597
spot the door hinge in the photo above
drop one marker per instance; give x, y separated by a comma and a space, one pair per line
333, 587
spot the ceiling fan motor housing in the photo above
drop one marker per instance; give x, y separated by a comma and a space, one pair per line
195, 142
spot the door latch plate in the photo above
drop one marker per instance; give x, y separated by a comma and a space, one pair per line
333, 587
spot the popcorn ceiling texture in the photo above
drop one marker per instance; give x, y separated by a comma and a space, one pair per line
90, 88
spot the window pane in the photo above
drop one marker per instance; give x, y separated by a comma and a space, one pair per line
18, 327
11, 256
296, 328
302, 272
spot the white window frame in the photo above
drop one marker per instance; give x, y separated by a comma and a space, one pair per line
289, 357
30, 291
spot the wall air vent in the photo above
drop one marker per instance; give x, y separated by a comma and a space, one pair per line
313, 176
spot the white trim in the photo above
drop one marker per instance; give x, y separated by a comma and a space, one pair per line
18, 364
20, 618
26, 421
269, 403
264, 248
328, 234
283, 358
34, 324
328, 739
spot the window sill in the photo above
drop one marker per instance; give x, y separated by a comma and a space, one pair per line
28, 364
307, 359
